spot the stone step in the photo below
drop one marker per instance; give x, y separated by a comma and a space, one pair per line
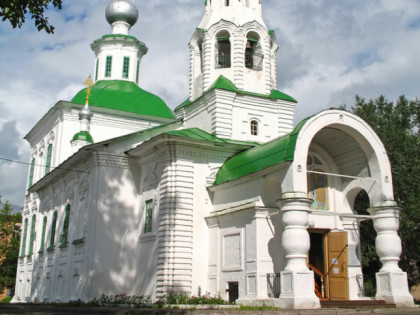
357, 304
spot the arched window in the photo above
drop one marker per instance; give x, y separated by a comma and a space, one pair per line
254, 127
223, 50
31, 173
253, 52
148, 217
32, 236
53, 227
48, 160
64, 236
44, 227
25, 231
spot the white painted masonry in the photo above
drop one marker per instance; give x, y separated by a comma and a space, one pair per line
227, 198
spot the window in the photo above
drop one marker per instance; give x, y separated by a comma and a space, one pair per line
25, 231
53, 227
108, 66
126, 66
65, 234
44, 227
32, 236
137, 71
253, 52
254, 127
96, 72
31, 173
227, 3
223, 50
48, 161
148, 216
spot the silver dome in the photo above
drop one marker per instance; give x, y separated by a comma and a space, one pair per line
122, 10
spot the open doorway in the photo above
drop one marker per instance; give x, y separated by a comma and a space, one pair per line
328, 259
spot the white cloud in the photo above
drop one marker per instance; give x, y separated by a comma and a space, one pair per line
329, 51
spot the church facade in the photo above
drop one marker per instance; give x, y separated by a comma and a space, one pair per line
224, 195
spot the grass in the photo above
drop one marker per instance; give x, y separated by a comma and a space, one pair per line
6, 300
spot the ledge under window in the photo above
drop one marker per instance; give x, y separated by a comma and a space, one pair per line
50, 249
79, 241
63, 245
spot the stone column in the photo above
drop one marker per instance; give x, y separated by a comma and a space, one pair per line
391, 281
297, 281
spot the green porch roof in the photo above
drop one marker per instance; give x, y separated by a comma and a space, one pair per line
261, 157
225, 84
125, 96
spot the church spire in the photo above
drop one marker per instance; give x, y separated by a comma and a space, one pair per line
232, 40
83, 137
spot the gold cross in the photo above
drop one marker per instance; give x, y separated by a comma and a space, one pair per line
89, 83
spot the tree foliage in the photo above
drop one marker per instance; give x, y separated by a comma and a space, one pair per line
9, 246
397, 124
15, 12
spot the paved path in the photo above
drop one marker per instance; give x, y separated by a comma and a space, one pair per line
56, 310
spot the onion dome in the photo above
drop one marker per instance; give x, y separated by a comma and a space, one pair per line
85, 113
125, 96
83, 136
122, 11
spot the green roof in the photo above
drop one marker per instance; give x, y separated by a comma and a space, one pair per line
261, 157
225, 84
120, 35
198, 134
83, 135
124, 96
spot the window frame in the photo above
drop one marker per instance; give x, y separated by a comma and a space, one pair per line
44, 228
24, 235
48, 159
148, 216
126, 67
66, 223
254, 127
32, 235
108, 66
53, 230
138, 71
31, 173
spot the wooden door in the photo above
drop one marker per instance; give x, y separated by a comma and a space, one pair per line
337, 266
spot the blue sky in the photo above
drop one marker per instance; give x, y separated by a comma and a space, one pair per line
329, 52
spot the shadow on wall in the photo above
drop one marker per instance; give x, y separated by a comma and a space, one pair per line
123, 263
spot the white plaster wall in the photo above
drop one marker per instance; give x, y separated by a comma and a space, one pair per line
118, 49
116, 231
228, 115
63, 124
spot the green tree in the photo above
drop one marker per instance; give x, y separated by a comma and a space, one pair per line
9, 246
397, 124
15, 12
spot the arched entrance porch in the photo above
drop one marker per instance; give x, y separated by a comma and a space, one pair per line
335, 155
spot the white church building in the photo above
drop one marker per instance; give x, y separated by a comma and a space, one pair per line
221, 195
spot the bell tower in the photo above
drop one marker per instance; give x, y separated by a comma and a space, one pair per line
233, 41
